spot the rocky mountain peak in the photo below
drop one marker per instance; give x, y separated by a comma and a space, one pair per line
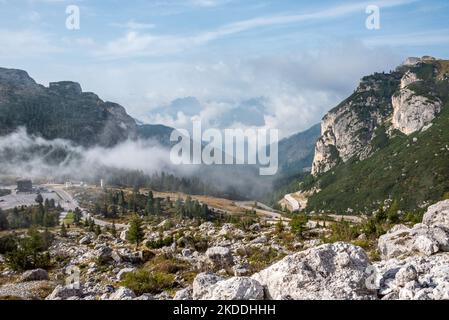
405, 100
15, 78
66, 87
413, 61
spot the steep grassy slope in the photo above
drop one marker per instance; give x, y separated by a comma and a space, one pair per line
410, 169
413, 170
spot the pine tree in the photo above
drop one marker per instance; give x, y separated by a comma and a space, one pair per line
91, 225
97, 230
135, 232
114, 230
298, 224
158, 209
78, 215
63, 231
39, 199
4, 225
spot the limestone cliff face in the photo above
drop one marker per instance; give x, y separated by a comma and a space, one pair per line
348, 129
403, 100
412, 111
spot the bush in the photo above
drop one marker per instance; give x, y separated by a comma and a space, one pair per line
298, 224
8, 244
343, 231
143, 281
259, 259
30, 252
166, 263
160, 243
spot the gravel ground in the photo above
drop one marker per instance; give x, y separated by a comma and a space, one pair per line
27, 290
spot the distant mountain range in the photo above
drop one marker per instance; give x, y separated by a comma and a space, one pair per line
64, 111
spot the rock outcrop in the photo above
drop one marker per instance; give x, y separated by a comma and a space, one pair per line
412, 111
330, 271
34, 275
414, 278
404, 99
207, 286
426, 238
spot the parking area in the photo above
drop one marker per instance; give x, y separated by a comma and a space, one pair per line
25, 199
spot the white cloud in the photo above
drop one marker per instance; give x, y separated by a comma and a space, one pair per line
25, 43
435, 37
133, 25
135, 44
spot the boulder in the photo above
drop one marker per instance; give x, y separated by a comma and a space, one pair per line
237, 288
124, 235
203, 283
414, 278
184, 294
121, 274
219, 257
330, 271
423, 239
229, 230
145, 296
122, 293
262, 240
438, 215
103, 254
241, 270
64, 293
85, 240
405, 275
34, 275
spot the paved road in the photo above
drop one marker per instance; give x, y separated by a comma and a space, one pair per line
268, 213
70, 204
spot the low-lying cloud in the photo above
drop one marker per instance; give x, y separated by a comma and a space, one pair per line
23, 155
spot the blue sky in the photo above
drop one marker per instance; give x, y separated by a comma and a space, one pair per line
272, 63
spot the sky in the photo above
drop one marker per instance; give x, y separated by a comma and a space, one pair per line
278, 64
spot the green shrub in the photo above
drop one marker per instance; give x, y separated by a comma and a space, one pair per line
7, 244
143, 281
160, 243
30, 253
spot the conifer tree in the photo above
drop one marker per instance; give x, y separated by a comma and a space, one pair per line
135, 232
63, 231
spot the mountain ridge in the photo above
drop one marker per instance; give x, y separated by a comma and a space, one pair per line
386, 143
62, 110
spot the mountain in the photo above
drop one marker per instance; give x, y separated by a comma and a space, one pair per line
64, 111
157, 132
296, 152
387, 141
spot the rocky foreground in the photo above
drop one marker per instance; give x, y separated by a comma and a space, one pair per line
414, 265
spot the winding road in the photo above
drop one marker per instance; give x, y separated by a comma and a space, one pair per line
70, 204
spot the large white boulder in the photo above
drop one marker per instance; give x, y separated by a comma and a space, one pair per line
330, 271
203, 283
237, 288
425, 238
401, 241
438, 215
